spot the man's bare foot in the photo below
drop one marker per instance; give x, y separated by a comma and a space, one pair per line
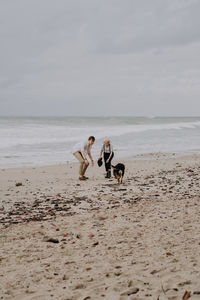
85, 177
82, 178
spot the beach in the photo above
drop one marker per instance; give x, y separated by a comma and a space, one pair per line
92, 82
61, 238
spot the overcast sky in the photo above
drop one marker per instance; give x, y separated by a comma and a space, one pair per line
100, 57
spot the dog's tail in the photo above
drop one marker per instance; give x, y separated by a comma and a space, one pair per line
113, 166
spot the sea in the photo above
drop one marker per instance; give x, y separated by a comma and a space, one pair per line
34, 141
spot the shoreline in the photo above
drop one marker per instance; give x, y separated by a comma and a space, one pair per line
140, 156
65, 239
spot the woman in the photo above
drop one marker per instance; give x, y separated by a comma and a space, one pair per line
107, 151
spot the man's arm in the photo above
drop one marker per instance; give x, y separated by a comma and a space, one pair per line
83, 154
84, 145
90, 156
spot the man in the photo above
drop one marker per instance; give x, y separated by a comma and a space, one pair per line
80, 151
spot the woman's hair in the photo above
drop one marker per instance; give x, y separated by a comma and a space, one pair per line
106, 141
91, 138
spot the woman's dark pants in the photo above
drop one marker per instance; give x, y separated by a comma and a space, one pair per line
108, 165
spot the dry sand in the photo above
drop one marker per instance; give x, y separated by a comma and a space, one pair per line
65, 239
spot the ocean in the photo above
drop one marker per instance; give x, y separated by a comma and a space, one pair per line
49, 140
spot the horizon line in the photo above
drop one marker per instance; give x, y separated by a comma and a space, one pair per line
99, 116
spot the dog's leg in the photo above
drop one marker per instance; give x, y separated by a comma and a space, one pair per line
120, 176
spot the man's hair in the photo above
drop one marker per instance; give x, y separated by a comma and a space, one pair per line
91, 138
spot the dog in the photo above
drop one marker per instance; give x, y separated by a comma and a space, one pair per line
118, 172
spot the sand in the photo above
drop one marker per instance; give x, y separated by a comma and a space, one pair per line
61, 238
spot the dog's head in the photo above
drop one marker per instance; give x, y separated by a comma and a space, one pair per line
118, 175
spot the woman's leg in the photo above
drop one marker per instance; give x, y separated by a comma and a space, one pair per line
109, 165
106, 156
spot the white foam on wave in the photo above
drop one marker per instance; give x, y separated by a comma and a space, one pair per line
48, 134
47, 143
121, 130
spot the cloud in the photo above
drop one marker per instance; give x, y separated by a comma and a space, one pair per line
99, 57
143, 25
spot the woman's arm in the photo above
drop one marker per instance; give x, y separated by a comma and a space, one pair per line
109, 156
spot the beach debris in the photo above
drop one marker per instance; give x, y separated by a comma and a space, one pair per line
102, 217
196, 293
154, 272
185, 283
130, 291
80, 198
130, 283
98, 224
79, 286
164, 292
18, 184
51, 240
118, 273
90, 235
186, 295
95, 244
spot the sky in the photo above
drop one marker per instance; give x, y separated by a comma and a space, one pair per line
100, 57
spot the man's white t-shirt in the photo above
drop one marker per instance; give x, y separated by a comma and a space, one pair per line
85, 147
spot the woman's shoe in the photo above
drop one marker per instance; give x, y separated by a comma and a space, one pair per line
109, 174
106, 175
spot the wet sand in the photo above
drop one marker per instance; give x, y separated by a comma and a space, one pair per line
61, 238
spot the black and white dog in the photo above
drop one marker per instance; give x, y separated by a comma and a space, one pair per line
118, 172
